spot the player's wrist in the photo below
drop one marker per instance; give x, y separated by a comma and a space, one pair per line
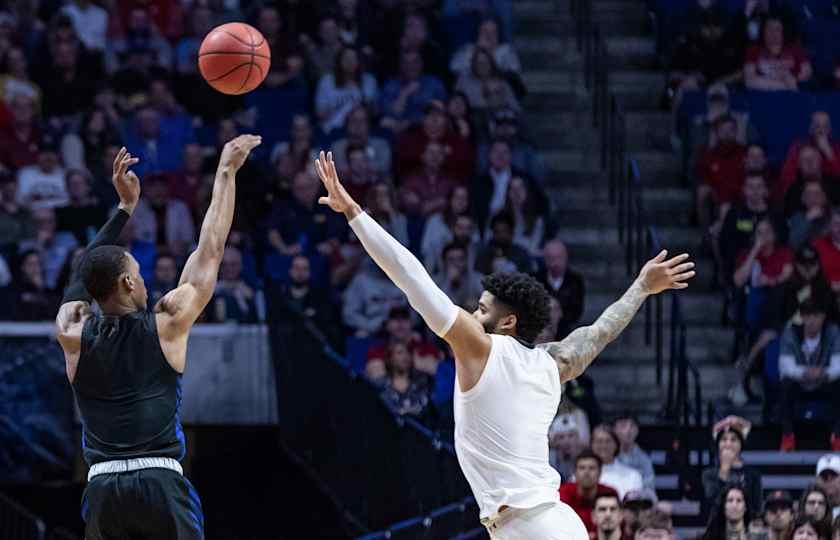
352, 211
128, 208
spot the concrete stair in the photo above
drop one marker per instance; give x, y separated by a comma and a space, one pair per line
558, 115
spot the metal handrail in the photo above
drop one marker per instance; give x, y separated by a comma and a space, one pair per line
17, 523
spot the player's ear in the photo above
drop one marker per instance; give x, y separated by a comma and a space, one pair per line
508, 322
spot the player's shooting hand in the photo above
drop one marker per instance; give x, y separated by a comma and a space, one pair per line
660, 274
237, 150
337, 197
126, 182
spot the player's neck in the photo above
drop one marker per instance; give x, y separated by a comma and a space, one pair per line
587, 492
117, 307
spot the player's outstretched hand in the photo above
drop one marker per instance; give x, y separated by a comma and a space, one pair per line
337, 197
236, 151
126, 182
660, 274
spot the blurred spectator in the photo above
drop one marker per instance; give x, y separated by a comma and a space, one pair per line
83, 214
20, 140
357, 133
777, 63
745, 28
736, 234
438, 230
807, 283
382, 206
620, 477
582, 493
321, 53
637, 506
828, 478
703, 134
828, 248
15, 219
102, 169
175, 124
161, 220
42, 185
360, 174
820, 139
233, 299
405, 392
566, 440
730, 435
411, 144
297, 300
90, 22
482, 76
34, 300
461, 116
300, 144
286, 55
301, 226
809, 365
555, 313
199, 23
404, 98
158, 150
730, 515
425, 191
720, 172
627, 430
165, 277
15, 79
806, 527
457, 279
562, 283
503, 54
399, 329
499, 253
811, 222
656, 525
353, 24
505, 125
369, 298
814, 503
702, 57
810, 170
340, 91
141, 38
97, 131
185, 183
528, 217
778, 515
607, 517
416, 37
53, 246
489, 191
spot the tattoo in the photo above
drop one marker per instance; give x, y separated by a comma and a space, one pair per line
574, 354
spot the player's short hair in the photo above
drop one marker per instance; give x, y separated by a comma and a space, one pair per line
527, 299
607, 495
100, 270
589, 454
656, 520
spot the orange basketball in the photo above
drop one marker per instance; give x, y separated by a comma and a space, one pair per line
234, 58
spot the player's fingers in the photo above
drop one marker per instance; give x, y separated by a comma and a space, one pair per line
685, 267
684, 276
674, 261
132, 161
679, 285
118, 158
661, 256
324, 200
331, 165
320, 170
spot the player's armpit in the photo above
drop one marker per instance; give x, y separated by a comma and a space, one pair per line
471, 346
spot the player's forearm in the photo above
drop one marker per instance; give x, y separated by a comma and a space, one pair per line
405, 271
217, 222
574, 354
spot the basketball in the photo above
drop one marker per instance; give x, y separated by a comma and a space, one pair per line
234, 58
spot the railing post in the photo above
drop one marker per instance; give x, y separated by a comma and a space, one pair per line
658, 325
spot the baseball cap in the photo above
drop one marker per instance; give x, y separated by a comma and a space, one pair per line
640, 498
778, 499
829, 462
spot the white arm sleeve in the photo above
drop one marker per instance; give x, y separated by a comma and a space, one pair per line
407, 273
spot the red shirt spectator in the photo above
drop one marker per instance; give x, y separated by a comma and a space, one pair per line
775, 65
398, 328
721, 167
460, 154
426, 191
581, 493
20, 139
820, 140
828, 248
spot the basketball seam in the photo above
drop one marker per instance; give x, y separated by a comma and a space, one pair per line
237, 38
251, 64
236, 52
222, 76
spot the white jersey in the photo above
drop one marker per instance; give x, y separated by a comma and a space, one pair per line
501, 428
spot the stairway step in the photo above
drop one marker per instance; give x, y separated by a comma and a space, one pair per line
700, 308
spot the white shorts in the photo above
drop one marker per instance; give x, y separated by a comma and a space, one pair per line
554, 521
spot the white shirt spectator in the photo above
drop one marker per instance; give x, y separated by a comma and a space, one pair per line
504, 55
41, 189
621, 478
341, 101
180, 230
90, 22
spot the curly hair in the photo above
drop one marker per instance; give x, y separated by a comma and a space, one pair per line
527, 299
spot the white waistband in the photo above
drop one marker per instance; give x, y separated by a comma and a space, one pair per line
127, 465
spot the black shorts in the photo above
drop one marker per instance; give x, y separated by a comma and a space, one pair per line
145, 504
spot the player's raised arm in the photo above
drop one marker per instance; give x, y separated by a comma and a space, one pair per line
464, 333
198, 279
574, 354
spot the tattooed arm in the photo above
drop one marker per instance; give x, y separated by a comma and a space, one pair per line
574, 354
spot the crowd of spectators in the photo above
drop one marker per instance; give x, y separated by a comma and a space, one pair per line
768, 217
419, 101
